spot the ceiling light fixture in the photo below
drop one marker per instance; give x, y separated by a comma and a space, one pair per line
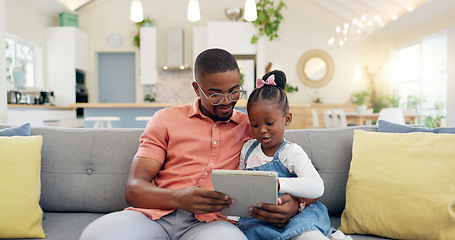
250, 11
359, 29
194, 13
136, 14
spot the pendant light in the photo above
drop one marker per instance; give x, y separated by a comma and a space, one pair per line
136, 14
194, 13
250, 11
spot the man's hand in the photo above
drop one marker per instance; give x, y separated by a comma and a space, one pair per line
143, 193
199, 200
277, 215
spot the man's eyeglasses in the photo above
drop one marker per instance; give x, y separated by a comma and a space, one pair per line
218, 98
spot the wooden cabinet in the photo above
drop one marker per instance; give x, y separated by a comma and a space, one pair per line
148, 56
66, 51
299, 116
302, 113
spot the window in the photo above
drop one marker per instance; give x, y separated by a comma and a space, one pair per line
20, 63
422, 77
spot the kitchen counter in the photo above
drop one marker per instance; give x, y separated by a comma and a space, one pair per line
125, 105
36, 106
240, 104
42, 115
132, 115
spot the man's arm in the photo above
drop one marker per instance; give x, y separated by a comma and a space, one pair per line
142, 193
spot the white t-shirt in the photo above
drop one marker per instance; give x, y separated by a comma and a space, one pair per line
308, 183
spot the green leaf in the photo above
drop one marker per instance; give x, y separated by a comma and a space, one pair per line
254, 39
261, 18
280, 6
269, 18
268, 30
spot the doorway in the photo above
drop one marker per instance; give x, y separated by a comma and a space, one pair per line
117, 78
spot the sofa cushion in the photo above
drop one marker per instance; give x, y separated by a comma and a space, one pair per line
330, 152
85, 170
385, 126
23, 130
58, 226
401, 186
20, 213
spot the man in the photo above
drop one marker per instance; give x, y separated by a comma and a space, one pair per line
169, 182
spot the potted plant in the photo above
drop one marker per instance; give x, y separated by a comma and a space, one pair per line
379, 103
359, 98
269, 19
289, 88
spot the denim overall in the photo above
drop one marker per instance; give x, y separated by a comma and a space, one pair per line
313, 217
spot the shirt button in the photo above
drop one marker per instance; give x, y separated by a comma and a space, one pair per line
214, 125
89, 171
214, 142
205, 174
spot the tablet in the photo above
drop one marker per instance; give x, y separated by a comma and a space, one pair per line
248, 188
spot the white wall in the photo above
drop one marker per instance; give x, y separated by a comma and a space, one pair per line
451, 77
103, 17
27, 23
3, 99
306, 26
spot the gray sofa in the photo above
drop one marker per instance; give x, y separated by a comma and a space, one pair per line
84, 172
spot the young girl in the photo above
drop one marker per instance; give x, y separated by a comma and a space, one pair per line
268, 112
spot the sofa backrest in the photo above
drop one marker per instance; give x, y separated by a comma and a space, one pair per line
330, 151
85, 170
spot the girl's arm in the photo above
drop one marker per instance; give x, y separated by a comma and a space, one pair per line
308, 183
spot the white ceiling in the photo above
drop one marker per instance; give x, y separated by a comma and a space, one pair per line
55, 7
49, 7
397, 15
74, 4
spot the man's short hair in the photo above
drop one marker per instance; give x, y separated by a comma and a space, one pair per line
214, 60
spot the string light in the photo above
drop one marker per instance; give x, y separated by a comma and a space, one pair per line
358, 29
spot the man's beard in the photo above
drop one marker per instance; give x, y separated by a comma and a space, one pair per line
227, 116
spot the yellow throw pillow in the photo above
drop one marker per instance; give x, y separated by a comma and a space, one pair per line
401, 186
20, 186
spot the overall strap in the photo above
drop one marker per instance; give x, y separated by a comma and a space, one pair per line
250, 150
277, 153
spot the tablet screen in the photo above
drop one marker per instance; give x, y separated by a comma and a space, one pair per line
248, 188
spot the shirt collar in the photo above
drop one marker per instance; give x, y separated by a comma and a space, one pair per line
194, 111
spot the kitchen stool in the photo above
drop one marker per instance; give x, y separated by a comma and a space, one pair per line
99, 121
143, 118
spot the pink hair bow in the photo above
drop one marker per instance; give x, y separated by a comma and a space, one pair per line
270, 81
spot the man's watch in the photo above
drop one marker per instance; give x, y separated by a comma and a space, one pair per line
302, 204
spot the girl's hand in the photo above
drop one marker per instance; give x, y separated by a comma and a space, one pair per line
278, 215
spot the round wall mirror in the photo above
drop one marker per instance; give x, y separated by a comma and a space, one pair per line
315, 68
